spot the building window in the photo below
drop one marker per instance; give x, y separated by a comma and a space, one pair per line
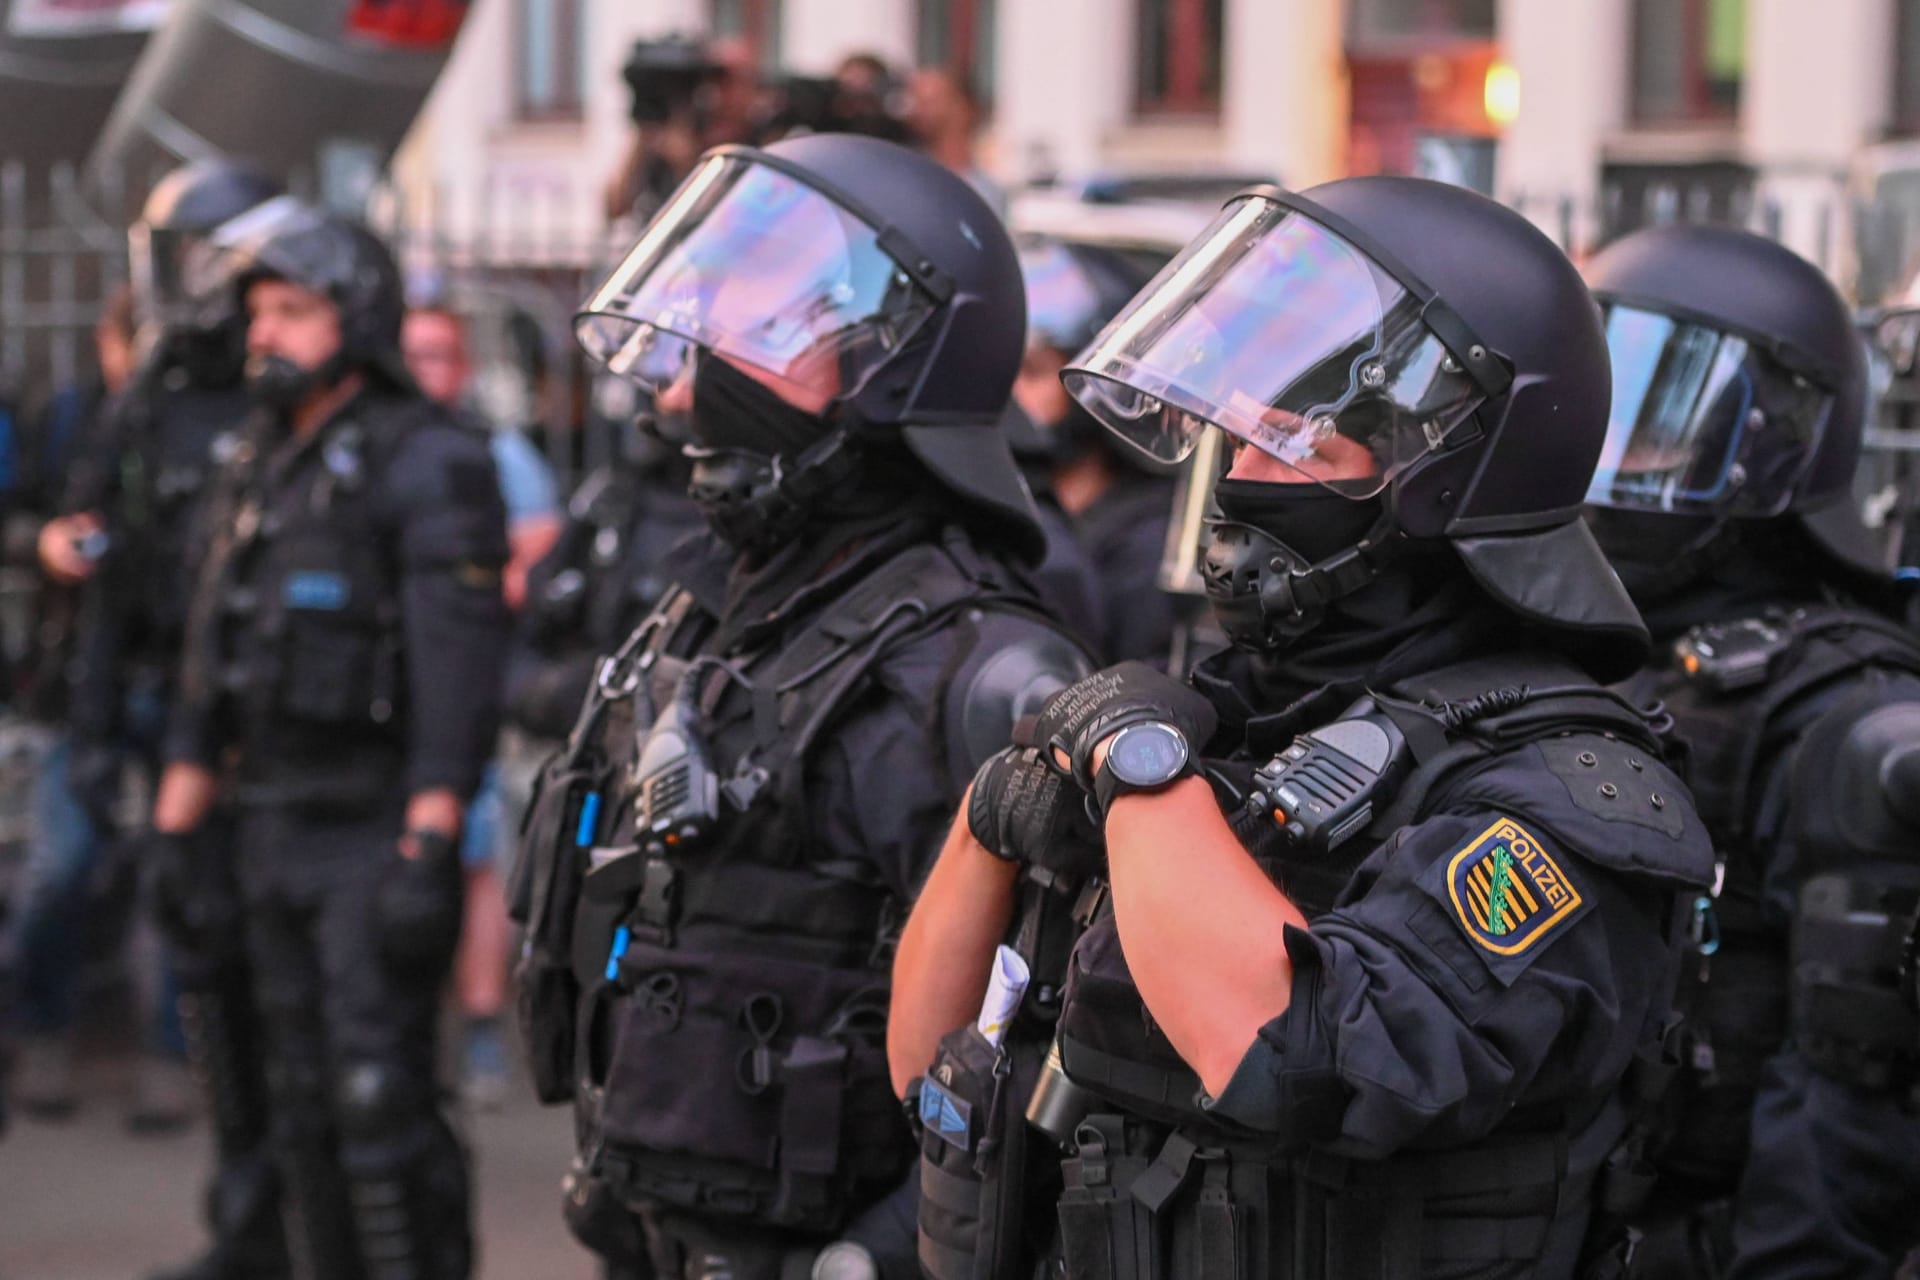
1906, 67
756, 23
1689, 57
1177, 58
550, 59
1385, 25
959, 36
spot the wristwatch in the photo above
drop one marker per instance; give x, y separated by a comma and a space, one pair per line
1142, 757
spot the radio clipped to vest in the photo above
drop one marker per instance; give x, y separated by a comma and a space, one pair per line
1730, 656
677, 790
1321, 790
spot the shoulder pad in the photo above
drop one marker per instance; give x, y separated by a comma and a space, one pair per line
1856, 779
1609, 800
1018, 662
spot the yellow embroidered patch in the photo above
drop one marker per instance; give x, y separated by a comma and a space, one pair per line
1507, 891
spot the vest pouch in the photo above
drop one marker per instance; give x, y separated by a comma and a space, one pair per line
1105, 1230
558, 829
330, 673
976, 1178
744, 1085
1110, 1045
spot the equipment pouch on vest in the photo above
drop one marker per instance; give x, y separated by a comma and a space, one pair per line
560, 826
720, 1098
974, 1154
1850, 1016
338, 660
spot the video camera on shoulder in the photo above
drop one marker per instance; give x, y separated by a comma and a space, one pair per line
666, 76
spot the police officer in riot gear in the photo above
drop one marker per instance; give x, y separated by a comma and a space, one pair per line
1723, 496
346, 636
135, 488
1399, 882
1116, 500
720, 858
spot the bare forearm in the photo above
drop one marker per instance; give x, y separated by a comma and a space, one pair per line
184, 797
1201, 925
940, 970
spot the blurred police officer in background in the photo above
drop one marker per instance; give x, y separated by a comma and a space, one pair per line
1117, 499
719, 859
135, 488
1400, 884
1724, 498
341, 673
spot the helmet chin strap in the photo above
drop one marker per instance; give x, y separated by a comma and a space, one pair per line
1289, 595
1293, 591
757, 510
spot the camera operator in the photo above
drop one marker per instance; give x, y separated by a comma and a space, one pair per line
688, 95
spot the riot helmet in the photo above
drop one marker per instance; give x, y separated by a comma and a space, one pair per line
167, 252
1740, 389
1412, 363
1072, 291
331, 255
833, 292
1888, 485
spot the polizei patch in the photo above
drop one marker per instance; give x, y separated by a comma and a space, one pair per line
1508, 892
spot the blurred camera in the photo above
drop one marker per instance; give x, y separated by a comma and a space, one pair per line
665, 77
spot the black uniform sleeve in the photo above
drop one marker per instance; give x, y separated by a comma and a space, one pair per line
91, 476
1484, 959
890, 777
451, 533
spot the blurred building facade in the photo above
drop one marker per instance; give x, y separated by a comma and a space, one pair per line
1592, 115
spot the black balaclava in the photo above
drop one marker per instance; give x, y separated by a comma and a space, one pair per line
1267, 530
747, 445
212, 357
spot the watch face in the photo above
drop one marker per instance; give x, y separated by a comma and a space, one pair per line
1145, 755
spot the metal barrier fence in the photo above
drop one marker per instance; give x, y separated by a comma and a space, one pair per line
518, 259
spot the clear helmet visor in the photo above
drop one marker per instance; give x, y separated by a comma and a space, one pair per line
1703, 422
750, 262
177, 276
1063, 302
1274, 329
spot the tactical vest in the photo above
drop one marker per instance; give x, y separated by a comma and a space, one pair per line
183, 435
299, 603
1741, 694
1149, 1186
710, 986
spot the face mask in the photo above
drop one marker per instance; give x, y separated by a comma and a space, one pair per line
277, 383
1271, 532
732, 410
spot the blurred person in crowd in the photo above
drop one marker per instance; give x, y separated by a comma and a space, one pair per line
943, 114
340, 685
686, 96
1118, 499
433, 339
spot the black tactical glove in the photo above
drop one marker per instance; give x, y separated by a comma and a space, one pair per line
190, 905
417, 905
1083, 715
1023, 810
